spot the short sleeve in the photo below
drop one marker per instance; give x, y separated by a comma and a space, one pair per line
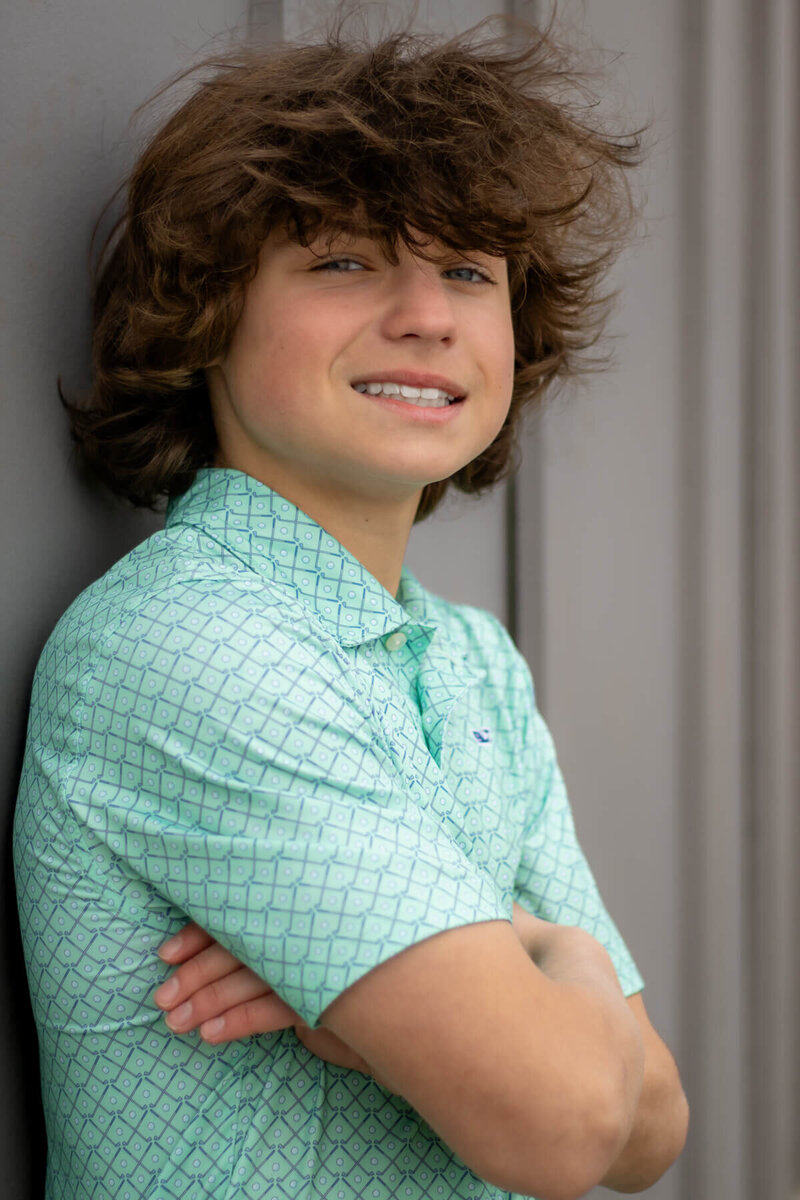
553, 879
229, 759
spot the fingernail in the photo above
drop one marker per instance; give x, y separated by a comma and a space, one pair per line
167, 992
180, 1015
210, 1029
171, 947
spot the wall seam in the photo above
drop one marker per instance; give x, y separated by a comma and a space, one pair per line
266, 17
756, 717
523, 580
692, 294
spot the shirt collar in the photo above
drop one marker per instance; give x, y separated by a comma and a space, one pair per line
279, 541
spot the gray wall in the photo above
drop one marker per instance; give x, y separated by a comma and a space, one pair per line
603, 470
659, 539
652, 571
70, 76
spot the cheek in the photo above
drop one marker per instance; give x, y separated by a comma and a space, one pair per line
267, 367
501, 358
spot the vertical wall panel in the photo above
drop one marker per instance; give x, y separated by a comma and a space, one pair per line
721, 1145
598, 540
266, 19
773, 405
689, 635
70, 76
741, 428
667, 565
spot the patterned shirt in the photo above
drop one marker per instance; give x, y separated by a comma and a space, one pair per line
238, 724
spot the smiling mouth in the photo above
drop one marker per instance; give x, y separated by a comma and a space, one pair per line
422, 397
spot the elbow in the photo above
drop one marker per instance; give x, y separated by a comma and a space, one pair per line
674, 1140
665, 1146
583, 1137
680, 1128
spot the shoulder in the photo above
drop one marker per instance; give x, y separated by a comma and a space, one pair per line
177, 594
180, 651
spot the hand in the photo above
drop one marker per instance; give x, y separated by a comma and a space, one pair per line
212, 990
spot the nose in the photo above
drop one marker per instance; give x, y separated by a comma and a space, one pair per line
418, 304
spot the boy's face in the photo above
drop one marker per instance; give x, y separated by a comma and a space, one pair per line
296, 399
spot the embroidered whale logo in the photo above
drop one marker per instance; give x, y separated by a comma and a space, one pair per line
481, 735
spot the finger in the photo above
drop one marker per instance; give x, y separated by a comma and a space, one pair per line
188, 941
265, 1014
215, 998
196, 973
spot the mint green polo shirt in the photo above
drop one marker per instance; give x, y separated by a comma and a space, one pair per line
238, 724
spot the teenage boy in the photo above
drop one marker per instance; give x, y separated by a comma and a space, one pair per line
342, 272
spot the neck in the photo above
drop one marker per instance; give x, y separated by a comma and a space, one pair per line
375, 530
376, 537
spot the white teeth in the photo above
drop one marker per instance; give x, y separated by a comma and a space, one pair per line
425, 397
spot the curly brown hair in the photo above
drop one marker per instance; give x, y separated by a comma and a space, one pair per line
480, 142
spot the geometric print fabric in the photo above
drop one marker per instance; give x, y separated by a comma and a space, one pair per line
238, 724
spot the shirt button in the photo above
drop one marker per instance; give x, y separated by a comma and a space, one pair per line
395, 641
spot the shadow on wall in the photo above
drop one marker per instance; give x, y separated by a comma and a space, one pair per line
23, 1143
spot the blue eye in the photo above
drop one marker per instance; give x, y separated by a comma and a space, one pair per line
338, 265
476, 275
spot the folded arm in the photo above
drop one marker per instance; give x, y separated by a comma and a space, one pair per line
548, 1106
541, 1105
